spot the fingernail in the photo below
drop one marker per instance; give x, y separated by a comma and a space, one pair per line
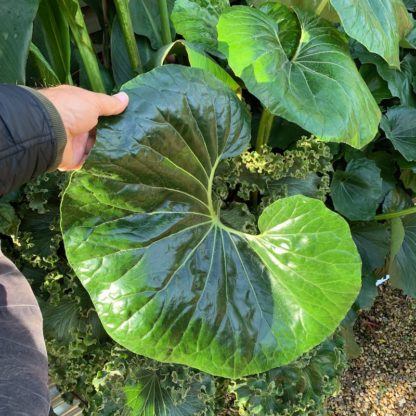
123, 97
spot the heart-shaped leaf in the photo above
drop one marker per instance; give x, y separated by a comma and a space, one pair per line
168, 279
399, 124
318, 88
361, 177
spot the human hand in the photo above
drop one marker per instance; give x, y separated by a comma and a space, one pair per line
79, 110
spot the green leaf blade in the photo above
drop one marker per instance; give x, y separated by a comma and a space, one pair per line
319, 88
167, 278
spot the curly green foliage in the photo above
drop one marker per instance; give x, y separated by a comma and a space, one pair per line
130, 384
77, 344
269, 176
297, 389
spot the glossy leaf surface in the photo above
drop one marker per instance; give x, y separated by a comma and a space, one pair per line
361, 177
377, 24
167, 278
399, 124
319, 88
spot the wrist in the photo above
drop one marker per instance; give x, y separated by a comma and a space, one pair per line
57, 126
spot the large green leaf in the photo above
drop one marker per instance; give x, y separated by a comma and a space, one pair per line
319, 88
403, 267
16, 17
399, 124
377, 24
168, 279
196, 20
348, 188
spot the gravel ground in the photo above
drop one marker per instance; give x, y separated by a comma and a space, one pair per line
382, 381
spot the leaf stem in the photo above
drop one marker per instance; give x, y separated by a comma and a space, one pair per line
263, 135
164, 21
126, 24
265, 128
75, 19
391, 215
321, 7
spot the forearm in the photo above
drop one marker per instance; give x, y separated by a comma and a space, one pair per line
32, 136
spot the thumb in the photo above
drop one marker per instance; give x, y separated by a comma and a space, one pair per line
111, 105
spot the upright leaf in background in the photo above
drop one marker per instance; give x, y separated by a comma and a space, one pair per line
16, 25
196, 20
378, 24
169, 280
47, 75
120, 61
399, 124
73, 14
318, 88
126, 26
55, 32
145, 15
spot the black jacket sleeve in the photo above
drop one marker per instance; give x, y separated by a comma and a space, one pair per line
32, 136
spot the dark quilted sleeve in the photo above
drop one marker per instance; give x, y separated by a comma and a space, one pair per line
27, 142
